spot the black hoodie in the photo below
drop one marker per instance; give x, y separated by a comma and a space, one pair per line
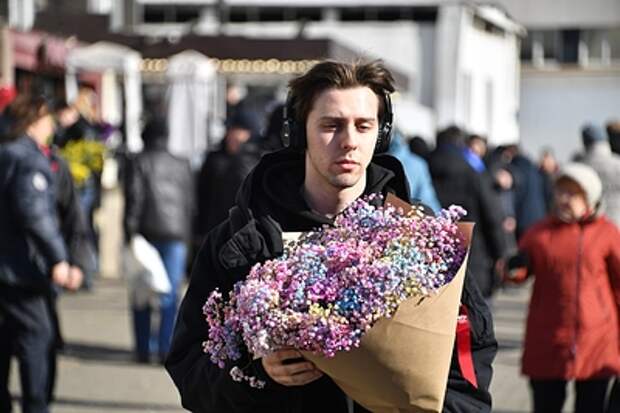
268, 203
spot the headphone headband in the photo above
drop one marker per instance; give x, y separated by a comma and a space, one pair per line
294, 135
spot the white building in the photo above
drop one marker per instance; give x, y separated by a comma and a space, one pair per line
570, 70
461, 60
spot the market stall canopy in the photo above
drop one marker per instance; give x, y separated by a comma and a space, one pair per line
105, 56
191, 95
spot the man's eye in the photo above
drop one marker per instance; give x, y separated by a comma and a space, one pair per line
330, 126
364, 127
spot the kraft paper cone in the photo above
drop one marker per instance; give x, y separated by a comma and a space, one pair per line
402, 363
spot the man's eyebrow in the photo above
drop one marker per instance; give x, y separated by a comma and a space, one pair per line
338, 118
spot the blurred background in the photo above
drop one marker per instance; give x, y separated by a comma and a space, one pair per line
523, 75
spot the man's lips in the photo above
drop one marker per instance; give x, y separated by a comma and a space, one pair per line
346, 165
347, 162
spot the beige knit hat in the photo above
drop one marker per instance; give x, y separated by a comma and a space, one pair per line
587, 179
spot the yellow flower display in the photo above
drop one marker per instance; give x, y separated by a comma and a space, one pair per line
84, 157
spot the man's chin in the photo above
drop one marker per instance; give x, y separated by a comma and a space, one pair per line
344, 182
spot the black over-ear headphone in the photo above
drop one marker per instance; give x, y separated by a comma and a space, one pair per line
294, 134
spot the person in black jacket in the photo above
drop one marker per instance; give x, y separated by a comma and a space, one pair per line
159, 206
33, 254
457, 182
341, 110
80, 249
224, 170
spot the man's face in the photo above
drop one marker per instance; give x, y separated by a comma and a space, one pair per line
341, 132
42, 129
235, 137
479, 147
67, 117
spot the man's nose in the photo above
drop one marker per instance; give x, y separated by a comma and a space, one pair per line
350, 137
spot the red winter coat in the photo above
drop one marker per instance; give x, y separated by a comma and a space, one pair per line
572, 326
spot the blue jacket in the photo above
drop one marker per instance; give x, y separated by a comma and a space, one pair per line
416, 170
30, 237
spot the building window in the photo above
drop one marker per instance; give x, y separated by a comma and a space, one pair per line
184, 14
170, 14
569, 46
309, 14
613, 42
388, 14
155, 14
237, 15
352, 14
273, 14
240, 14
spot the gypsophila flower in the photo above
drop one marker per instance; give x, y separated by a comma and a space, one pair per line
331, 285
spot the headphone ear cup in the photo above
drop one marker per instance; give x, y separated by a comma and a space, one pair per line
296, 138
384, 136
383, 140
293, 136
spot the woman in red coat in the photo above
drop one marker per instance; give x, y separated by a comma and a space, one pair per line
572, 327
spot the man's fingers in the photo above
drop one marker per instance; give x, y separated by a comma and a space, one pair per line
304, 378
286, 354
283, 370
296, 373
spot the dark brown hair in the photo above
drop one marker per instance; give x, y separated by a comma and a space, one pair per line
24, 111
613, 127
338, 75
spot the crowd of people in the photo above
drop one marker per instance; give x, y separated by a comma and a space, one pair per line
555, 222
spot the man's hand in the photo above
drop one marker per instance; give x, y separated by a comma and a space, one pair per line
288, 368
76, 276
60, 273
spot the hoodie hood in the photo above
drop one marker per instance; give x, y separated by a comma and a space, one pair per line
274, 188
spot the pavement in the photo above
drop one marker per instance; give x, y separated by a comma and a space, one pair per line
96, 370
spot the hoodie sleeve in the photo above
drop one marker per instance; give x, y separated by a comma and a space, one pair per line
134, 199
203, 386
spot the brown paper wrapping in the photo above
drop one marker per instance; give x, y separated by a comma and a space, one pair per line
402, 363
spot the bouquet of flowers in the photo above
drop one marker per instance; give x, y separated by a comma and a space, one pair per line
332, 285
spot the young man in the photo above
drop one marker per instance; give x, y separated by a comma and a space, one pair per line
337, 118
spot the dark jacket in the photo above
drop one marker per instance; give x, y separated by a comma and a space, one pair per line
30, 238
159, 200
73, 225
219, 180
81, 129
529, 193
268, 203
456, 182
